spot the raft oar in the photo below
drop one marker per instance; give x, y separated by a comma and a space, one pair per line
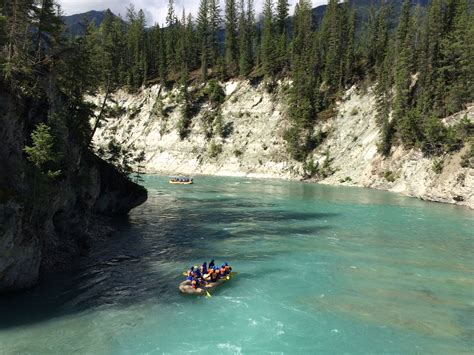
208, 295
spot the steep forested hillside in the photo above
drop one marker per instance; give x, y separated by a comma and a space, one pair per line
421, 69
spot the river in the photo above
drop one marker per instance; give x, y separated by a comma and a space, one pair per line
321, 269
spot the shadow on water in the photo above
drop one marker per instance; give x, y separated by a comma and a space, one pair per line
144, 259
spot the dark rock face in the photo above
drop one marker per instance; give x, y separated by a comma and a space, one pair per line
48, 234
117, 195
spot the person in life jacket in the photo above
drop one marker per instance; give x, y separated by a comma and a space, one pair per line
195, 283
210, 273
222, 270
215, 274
227, 268
212, 264
190, 274
203, 268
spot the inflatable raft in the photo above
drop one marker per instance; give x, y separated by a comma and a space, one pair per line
181, 181
185, 286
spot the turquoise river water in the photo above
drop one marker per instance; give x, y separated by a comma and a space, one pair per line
321, 270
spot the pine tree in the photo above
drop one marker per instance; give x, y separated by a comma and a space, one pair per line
203, 36
17, 32
136, 51
268, 50
332, 40
404, 118
302, 101
49, 27
231, 45
214, 26
282, 34
282, 13
171, 37
455, 63
429, 73
182, 44
119, 57
350, 49
162, 62
42, 152
192, 45
246, 24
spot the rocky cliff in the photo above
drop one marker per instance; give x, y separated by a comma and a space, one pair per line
42, 226
252, 121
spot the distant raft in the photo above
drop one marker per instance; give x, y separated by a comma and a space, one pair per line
181, 181
185, 286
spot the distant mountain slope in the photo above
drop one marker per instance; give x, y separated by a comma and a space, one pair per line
76, 24
363, 8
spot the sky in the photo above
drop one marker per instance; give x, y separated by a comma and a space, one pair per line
155, 10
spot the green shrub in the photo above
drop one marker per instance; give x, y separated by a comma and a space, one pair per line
218, 124
42, 153
215, 150
184, 122
183, 126
238, 153
439, 139
389, 175
467, 159
133, 112
385, 144
215, 92
311, 168
115, 111
465, 128
327, 170
438, 165
294, 146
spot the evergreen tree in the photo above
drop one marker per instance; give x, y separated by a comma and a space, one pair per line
282, 34
182, 45
268, 50
350, 49
49, 26
456, 63
192, 45
42, 153
404, 118
136, 57
246, 23
302, 101
17, 27
282, 13
214, 26
203, 36
171, 37
331, 37
231, 45
429, 74
163, 64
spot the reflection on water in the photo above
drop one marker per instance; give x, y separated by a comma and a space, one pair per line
321, 270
